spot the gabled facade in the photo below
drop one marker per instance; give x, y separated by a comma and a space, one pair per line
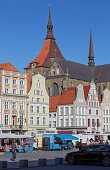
105, 112
71, 111
38, 106
13, 90
93, 111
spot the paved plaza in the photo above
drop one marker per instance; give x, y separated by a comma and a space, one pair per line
35, 156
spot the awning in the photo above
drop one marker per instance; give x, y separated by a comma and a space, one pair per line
66, 137
13, 136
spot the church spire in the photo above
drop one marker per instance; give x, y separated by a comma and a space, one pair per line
49, 27
91, 62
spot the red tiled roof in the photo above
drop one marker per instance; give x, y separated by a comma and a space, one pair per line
68, 96
8, 66
86, 91
27, 66
53, 101
28, 83
49, 50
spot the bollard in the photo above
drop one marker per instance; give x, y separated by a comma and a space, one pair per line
58, 161
42, 162
3, 164
23, 163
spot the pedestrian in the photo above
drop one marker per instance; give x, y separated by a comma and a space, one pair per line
80, 144
106, 142
34, 146
87, 142
14, 147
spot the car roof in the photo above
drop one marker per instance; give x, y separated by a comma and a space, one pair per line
99, 145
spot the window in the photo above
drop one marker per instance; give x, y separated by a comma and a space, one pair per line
21, 106
38, 120
38, 92
14, 105
83, 122
106, 119
44, 120
6, 90
48, 91
21, 120
61, 111
71, 121
71, 110
31, 109
54, 124
83, 111
79, 121
66, 122
96, 112
104, 111
77, 110
97, 122
38, 100
32, 99
54, 115
44, 109
93, 122
21, 92
43, 100
49, 124
6, 105
88, 122
66, 110
31, 120
14, 91
76, 121
6, 119
6, 81
38, 109
55, 89
14, 81
89, 111
21, 82
61, 122
49, 115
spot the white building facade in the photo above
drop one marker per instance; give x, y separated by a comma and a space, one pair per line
13, 102
93, 111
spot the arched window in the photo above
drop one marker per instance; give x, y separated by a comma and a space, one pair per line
55, 89
48, 91
99, 90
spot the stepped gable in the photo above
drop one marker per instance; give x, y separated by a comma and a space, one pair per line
8, 66
49, 49
67, 96
53, 101
76, 70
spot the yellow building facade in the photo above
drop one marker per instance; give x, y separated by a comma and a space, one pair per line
38, 108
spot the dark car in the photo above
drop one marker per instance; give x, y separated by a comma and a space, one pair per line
90, 154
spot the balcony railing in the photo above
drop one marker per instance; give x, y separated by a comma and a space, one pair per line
16, 126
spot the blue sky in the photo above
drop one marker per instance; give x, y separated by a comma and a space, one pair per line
23, 27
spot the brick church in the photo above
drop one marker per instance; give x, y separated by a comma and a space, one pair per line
61, 73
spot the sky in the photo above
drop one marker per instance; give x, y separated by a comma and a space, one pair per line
23, 28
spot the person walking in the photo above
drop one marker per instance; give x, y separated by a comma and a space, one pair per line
14, 147
80, 144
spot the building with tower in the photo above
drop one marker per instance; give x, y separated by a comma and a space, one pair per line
60, 73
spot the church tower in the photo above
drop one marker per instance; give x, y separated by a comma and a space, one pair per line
91, 62
48, 52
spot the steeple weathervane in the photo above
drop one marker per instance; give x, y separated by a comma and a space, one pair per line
49, 27
91, 62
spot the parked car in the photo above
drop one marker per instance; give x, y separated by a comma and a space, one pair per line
90, 154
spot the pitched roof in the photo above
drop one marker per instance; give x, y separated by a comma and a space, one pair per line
67, 96
49, 50
8, 66
28, 83
86, 91
76, 70
53, 101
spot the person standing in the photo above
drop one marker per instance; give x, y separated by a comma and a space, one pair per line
14, 147
80, 144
